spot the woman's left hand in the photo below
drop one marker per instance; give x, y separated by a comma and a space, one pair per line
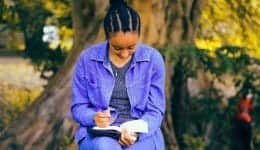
127, 138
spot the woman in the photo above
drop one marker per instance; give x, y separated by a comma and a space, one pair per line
122, 75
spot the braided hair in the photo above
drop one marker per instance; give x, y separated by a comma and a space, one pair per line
121, 17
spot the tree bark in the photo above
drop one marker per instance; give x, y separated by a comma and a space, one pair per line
47, 124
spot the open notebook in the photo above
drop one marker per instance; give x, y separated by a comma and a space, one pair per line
138, 126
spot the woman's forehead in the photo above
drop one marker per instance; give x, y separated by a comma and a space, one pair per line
124, 39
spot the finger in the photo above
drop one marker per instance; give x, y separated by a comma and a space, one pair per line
98, 116
103, 119
107, 112
131, 137
131, 140
121, 142
102, 122
122, 138
134, 136
102, 125
125, 138
102, 114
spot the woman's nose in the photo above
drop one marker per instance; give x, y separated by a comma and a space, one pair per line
124, 53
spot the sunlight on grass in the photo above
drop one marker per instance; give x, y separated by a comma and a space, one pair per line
20, 75
20, 85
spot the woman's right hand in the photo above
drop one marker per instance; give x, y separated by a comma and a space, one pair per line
102, 118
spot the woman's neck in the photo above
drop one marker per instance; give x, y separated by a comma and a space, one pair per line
118, 62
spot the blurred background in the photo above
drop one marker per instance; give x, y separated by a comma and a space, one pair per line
211, 51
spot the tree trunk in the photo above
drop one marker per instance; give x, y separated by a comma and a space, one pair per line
47, 124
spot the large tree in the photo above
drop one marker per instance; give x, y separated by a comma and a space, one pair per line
47, 124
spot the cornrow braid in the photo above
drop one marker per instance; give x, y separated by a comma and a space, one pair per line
121, 17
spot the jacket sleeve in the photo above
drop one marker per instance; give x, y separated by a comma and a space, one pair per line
82, 110
155, 107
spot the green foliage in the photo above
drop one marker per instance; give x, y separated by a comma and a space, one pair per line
194, 143
204, 120
29, 17
14, 100
230, 22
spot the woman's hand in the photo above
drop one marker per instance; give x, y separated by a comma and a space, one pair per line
102, 119
127, 138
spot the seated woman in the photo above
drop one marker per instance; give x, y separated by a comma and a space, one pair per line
119, 80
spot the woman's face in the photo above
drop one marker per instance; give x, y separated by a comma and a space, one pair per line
123, 44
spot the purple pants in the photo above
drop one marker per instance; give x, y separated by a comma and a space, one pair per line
108, 143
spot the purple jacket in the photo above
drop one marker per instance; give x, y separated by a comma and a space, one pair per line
93, 82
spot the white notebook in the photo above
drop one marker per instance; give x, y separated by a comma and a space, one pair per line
139, 126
